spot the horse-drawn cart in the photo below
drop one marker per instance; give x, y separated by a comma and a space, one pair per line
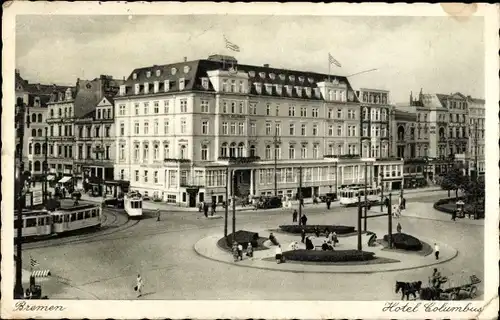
469, 289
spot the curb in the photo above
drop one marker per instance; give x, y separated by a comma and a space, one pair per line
325, 272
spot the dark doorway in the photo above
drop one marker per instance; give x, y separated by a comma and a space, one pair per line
306, 192
192, 200
202, 196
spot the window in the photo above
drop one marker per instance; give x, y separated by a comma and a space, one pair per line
156, 152
233, 86
204, 152
303, 111
339, 113
145, 176
241, 148
330, 113
204, 127
122, 174
224, 128
155, 127
303, 151
241, 109
146, 127
233, 107
136, 107
204, 106
268, 128
277, 110
315, 151
291, 152
122, 152
268, 109
277, 129
291, 111
268, 152
166, 126
156, 106
315, 112
225, 86
351, 114
277, 152
253, 152
183, 126
232, 150
315, 130
166, 151
183, 152
166, 106
183, 106
146, 107
303, 129
330, 130
253, 129
136, 175
224, 107
223, 150
233, 128
204, 83
97, 131
155, 176
253, 108
339, 131
292, 129
241, 128
145, 154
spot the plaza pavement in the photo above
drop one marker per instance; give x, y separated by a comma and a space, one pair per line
162, 252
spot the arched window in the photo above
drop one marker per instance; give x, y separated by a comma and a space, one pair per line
37, 166
60, 112
365, 113
441, 133
401, 133
40, 132
52, 113
30, 149
291, 151
204, 152
232, 150
65, 112
166, 151
39, 117
223, 150
30, 166
37, 148
240, 152
156, 152
33, 132
268, 152
253, 152
33, 117
69, 111
44, 148
183, 152
145, 154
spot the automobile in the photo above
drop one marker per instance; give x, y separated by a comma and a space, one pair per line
270, 203
114, 202
331, 195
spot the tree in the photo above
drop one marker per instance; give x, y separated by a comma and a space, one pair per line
454, 179
474, 190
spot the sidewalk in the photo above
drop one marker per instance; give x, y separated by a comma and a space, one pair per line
264, 259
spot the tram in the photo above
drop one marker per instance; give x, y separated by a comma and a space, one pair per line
76, 218
349, 195
35, 223
133, 204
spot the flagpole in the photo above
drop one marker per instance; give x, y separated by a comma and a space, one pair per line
329, 66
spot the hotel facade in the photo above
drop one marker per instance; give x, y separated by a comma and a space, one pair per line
179, 127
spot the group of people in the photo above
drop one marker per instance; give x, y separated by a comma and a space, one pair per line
237, 250
303, 218
205, 207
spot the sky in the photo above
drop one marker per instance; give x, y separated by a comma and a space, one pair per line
438, 54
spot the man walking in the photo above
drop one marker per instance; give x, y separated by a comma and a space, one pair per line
294, 216
328, 203
303, 235
214, 206
303, 220
139, 285
205, 211
398, 228
436, 251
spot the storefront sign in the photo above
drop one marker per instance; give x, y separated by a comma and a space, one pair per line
37, 197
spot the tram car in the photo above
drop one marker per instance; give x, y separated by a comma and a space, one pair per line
349, 195
76, 218
133, 204
35, 223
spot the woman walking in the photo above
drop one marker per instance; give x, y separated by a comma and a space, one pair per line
139, 285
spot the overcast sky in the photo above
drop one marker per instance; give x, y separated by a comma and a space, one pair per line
437, 54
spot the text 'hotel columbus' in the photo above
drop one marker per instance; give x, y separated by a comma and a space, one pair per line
178, 124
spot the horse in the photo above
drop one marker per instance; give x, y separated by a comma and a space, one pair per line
408, 288
430, 293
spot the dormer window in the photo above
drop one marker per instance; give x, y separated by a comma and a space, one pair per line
299, 91
282, 77
292, 78
302, 79
251, 74
158, 73
258, 87
186, 69
166, 85
60, 96
262, 75
146, 87
204, 83
308, 92
311, 80
272, 76
148, 74
289, 90
156, 87
279, 89
317, 93
123, 90
137, 88
269, 88
173, 71
68, 94
134, 76
181, 83
37, 101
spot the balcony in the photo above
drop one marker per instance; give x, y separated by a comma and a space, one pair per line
101, 162
192, 182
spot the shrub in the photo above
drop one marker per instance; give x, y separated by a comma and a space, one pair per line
293, 228
328, 256
244, 237
405, 241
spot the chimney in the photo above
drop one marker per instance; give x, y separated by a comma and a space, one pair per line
185, 59
123, 78
266, 65
411, 97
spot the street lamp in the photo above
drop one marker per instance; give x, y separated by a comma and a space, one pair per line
22, 115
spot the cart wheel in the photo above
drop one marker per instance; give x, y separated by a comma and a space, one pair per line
453, 296
473, 292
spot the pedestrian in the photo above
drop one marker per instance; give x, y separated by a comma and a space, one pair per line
436, 251
158, 215
205, 211
403, 203
303, 235
138, 285
335, 240
240, 251
454, 215
328, 203
294, 216
386, 203
303, 220
279, 254
398, 228
249, 250
234, 250
201, 206
316, 232
214, 206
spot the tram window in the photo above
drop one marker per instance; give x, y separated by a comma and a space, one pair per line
361, 193
139, 204
66, 218
73, 216
80, 216
87, 214
31, 222
41, 221
94, 212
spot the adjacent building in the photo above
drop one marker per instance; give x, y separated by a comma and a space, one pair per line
476, 141
180, 126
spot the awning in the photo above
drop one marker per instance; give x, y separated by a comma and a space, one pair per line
64, 179
50, 177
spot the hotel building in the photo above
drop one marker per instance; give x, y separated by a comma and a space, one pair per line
180, 126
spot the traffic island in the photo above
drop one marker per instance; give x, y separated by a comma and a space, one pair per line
242, 237
383, 260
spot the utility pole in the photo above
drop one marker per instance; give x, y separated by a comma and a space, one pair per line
389, 224
476, 167
22, 114
381, 192
276, 142
226, 209
233, 180
45, 167
300, 194
366, 196
360, 247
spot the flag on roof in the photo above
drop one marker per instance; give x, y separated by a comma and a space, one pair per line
231, 46
332, 60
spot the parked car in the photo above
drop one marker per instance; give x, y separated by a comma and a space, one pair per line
332, 196
270, 203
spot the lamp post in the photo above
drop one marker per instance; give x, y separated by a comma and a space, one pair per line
366, 196
233, 180
300, 194
22, 115
381, 191
226, 209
